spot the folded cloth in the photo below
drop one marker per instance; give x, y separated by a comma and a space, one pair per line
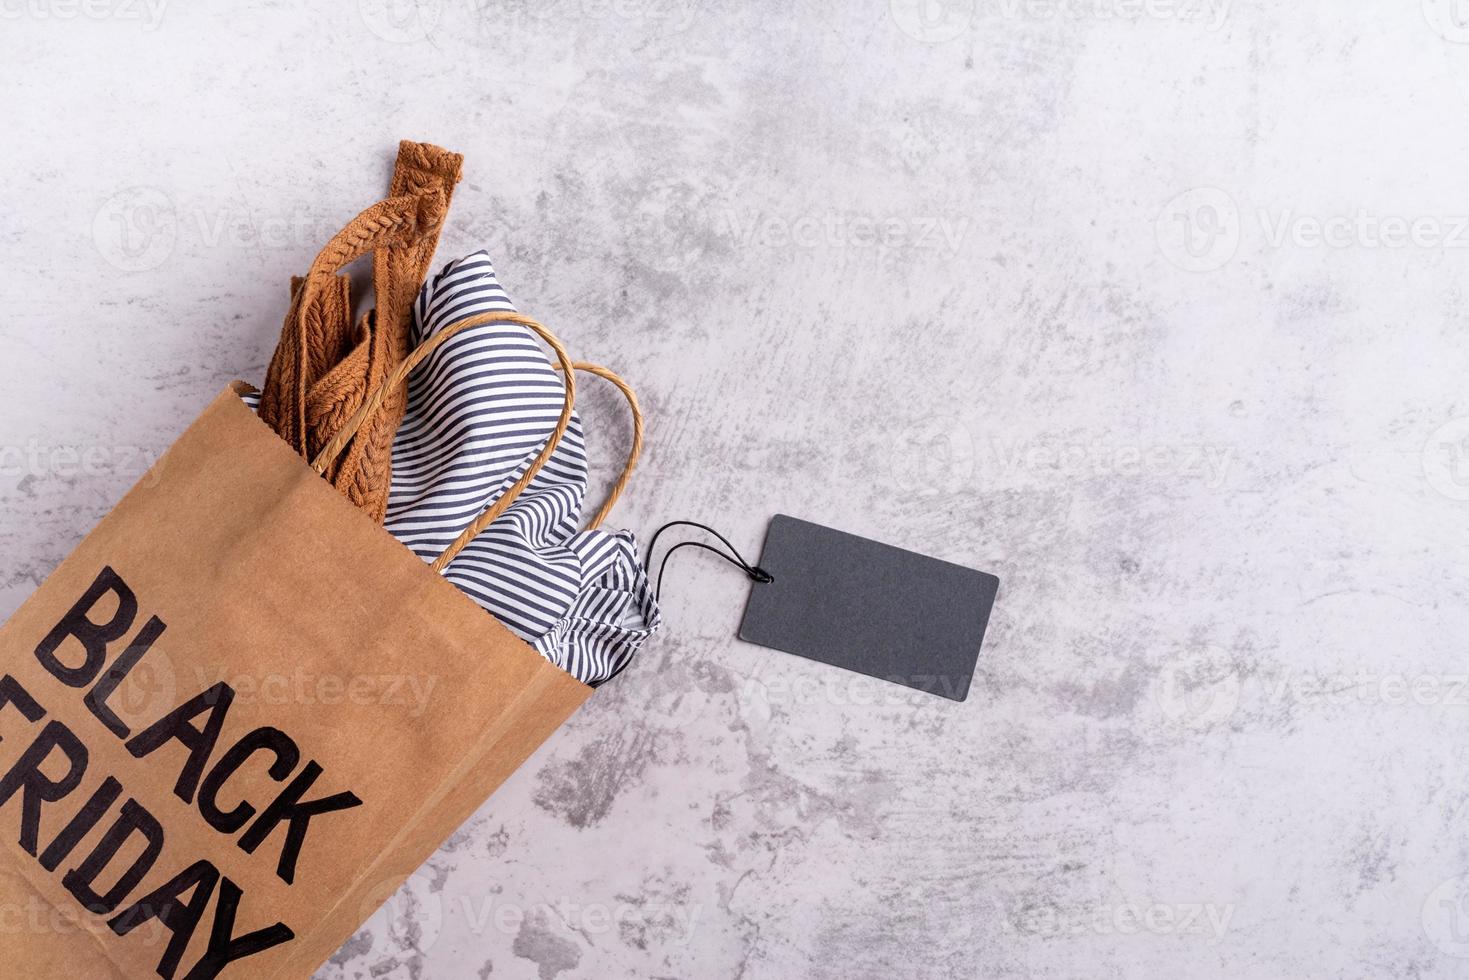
480, 407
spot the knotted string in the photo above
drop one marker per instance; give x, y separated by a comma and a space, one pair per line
754, 572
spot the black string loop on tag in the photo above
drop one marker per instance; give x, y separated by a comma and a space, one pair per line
754, 572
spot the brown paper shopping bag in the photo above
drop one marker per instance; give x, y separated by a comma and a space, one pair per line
241, 712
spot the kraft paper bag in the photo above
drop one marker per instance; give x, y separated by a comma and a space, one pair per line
237, 716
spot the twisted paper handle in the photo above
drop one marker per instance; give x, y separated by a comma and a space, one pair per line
564, 364
400, 374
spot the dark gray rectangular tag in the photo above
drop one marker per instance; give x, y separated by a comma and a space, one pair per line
870, 607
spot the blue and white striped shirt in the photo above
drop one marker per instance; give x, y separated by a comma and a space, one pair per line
480, 407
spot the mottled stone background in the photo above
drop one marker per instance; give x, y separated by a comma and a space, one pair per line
1154, 308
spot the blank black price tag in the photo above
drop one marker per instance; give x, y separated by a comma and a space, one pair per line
870, 607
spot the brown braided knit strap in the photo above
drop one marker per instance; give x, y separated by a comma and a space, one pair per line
323, 366
428, 173
313, 331
301, 360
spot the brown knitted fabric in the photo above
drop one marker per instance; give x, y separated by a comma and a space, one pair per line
323, 367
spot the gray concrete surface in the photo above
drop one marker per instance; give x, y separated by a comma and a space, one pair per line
1155, 309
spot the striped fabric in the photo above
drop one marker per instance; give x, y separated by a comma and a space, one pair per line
480, 408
